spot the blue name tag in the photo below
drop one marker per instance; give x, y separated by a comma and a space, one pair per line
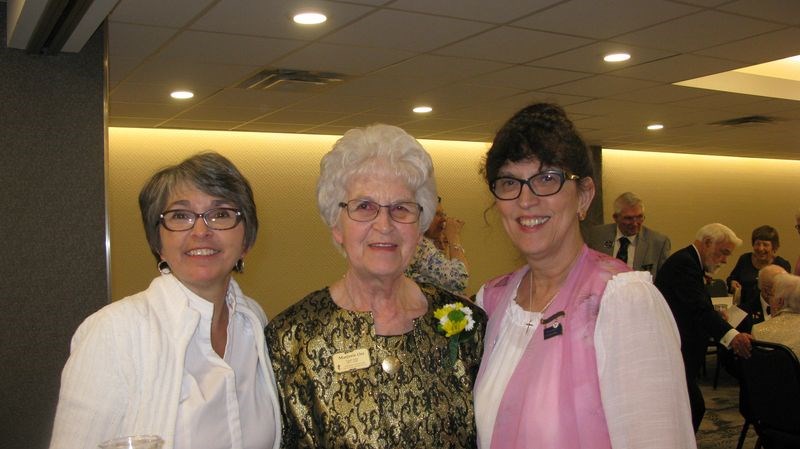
553, 326
553, 330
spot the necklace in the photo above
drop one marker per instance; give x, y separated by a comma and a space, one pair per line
390, 363
529, 324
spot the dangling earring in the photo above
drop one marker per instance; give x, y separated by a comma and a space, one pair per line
239, 267
163, 267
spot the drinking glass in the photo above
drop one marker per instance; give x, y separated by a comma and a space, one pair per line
133, 442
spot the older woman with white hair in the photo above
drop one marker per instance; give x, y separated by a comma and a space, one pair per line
785, 322
376, 359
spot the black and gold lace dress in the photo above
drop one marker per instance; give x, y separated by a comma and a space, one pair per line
425, 403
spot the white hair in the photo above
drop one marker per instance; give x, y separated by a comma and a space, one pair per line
717, 232
787, 287
376, 148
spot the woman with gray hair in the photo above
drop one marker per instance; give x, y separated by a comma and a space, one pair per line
376, 359
785, 304
184, 359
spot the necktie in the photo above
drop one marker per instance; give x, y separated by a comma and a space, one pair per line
622, 254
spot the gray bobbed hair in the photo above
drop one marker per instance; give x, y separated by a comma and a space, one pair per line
212, 174
375, 149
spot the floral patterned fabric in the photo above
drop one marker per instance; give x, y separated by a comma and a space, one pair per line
431, 266
427, 403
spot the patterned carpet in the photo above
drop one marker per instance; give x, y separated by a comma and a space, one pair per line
722, 422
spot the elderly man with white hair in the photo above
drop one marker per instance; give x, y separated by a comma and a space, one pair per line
785, 322
681, 281
766, 285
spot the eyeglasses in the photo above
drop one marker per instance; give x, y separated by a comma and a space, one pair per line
545, 183
218, 219
365, 210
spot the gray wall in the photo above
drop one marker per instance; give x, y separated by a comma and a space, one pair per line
53, 225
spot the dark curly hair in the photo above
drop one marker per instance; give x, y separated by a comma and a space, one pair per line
541, 131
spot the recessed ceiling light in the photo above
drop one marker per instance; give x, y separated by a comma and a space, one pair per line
616, 57
181, 95
310, 18
422, 109
655, 126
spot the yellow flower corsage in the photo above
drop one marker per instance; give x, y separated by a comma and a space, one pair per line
455, 320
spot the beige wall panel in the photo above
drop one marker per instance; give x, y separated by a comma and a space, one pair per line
293, 254
684, 192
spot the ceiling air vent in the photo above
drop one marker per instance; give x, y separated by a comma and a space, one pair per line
288, 80
747, 120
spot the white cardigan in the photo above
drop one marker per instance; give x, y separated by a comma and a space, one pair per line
124, 373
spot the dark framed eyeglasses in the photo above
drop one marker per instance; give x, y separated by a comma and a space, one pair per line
218, 219
546, 183
366, 210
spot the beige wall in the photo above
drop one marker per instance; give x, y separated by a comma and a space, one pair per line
683, 192
293, 254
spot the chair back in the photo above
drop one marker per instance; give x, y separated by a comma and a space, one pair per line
771, 388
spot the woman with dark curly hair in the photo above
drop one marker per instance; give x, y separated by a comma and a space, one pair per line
581, 352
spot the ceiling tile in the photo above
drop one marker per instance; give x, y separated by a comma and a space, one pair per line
527, 78
758, 49
678, 68
173, 13
273, 18
189, 75
781, 11
698, 31
444, 68
602, 20
218, 48
405, 31
513, 45
599, 86
589, 58
136, 41
215, 113
478, 10
341, 59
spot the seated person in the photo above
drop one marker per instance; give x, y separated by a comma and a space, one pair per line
440, 259
743, 281
784, 327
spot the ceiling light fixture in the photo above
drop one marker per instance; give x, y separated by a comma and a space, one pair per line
181, 95
310, 18
616, 57
422, 109
655, 127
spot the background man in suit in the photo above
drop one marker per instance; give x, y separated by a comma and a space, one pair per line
645, 249
682, 282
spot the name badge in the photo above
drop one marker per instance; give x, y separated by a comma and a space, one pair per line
553, 326
349, 361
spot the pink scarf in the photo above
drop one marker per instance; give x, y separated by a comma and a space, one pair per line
553, 397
